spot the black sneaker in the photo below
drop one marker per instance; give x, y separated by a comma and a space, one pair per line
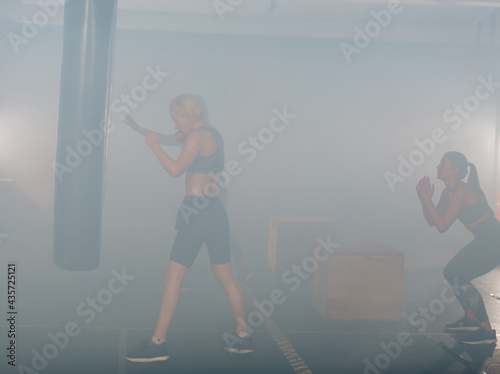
149, 352
481, 336
463, 324
241, 345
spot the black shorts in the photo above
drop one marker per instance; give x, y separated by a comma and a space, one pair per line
478, 257
201, 219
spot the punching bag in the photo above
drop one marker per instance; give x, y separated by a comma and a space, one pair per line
83, 131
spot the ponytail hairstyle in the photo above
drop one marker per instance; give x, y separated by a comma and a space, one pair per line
459, 161
204, 117
473, 179
204, 108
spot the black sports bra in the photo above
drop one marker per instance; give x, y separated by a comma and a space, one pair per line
213, 163
472, 213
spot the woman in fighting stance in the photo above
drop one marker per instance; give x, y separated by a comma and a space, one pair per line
177, 139
201, 219
467, 202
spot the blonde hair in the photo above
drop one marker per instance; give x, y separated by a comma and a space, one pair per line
187, 105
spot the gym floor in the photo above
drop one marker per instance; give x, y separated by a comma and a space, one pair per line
78, 336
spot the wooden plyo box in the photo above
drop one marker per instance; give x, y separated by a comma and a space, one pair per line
293, 238
360, 282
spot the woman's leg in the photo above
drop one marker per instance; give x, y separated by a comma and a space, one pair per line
234, 295
170, 299
471, 262
238, 259
185, 248
473, 304
217, 242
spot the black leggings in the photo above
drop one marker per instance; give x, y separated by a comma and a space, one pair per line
201, 219
477, 258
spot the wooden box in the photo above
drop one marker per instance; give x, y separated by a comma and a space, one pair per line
293, 238
360, 282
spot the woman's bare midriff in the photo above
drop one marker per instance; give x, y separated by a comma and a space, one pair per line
202, 184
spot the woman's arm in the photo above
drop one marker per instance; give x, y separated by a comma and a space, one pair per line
425, 184
440, 207
168, 140
189, 152
434, 215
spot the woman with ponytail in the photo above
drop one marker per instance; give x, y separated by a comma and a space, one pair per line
467, 202
201, 219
